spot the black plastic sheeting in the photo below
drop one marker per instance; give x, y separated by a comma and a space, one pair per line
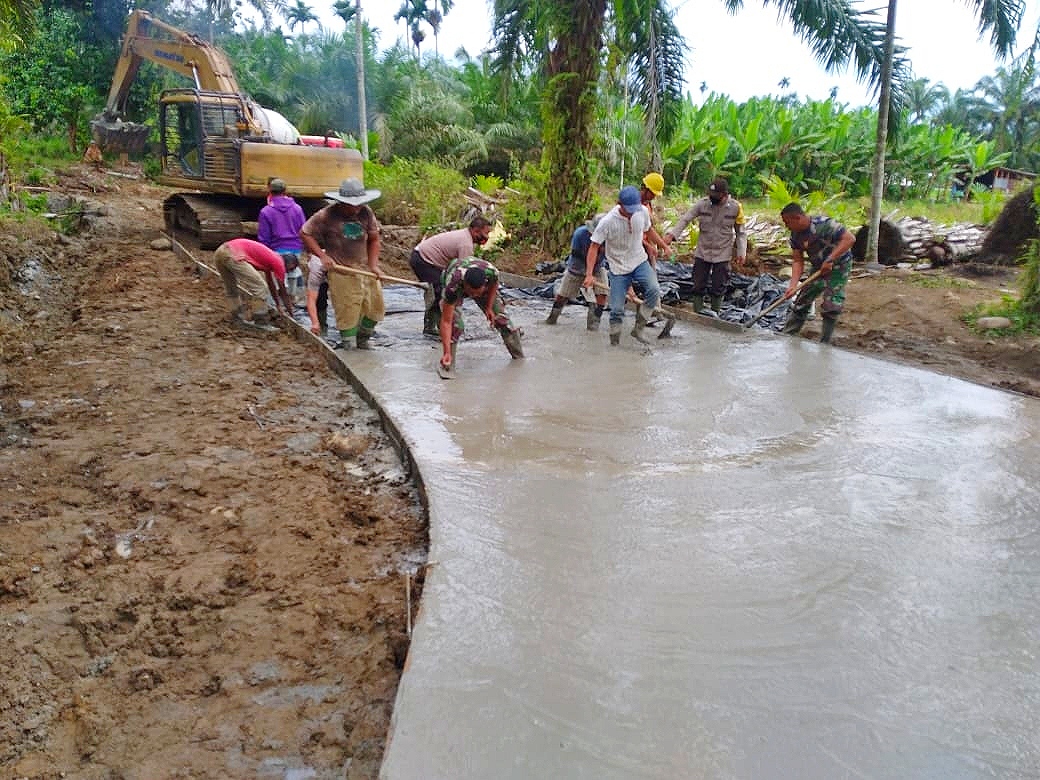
745, 296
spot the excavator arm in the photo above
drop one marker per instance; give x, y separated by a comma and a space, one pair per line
149, 39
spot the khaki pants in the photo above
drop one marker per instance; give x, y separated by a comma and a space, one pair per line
357, 300
239, 275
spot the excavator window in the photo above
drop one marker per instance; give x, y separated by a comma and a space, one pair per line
187, 143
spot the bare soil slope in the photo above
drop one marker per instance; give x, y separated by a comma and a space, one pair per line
195, 579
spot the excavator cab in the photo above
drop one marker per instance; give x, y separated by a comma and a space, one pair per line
182, 138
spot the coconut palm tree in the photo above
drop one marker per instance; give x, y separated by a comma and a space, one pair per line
566, 39
922, 99
999, 18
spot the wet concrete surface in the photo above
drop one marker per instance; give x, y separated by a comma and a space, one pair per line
739, 556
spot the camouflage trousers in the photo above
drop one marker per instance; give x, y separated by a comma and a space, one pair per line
498, 308
832, 287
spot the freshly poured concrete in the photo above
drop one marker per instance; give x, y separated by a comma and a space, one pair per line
738, 557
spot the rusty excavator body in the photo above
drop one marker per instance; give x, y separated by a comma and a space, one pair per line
216, 144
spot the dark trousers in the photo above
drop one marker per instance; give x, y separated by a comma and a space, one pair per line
425, 272
709, 278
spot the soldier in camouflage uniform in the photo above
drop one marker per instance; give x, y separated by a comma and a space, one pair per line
476, 279
828, 246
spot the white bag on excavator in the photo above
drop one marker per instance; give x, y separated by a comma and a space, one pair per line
279, 128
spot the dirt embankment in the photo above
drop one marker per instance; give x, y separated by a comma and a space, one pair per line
195, 579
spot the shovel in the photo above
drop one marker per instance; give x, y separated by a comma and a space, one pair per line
811, 278
346, 269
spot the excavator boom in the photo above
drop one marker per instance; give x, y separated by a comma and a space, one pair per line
149, 39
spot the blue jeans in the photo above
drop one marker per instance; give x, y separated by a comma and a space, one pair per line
643, 273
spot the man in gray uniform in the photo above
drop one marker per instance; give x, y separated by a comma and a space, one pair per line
720, 219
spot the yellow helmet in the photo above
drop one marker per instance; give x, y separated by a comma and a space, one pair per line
654, 182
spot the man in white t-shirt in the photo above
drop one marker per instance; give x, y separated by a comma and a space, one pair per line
620, 233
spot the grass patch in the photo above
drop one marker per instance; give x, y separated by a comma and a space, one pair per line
1023, 322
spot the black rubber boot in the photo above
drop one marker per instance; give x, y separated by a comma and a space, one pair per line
432, 321
794, 323
511, 338
827, 329
363, 339
554, 315
323, 309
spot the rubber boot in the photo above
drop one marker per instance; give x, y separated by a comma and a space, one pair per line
432, 317
716, 303
511, 338
698, 304
615, 333
344, 338
323, 311
827, 329
554, 315
593, 316
637, 331
364, 340
669, 322
432, 322
794, 323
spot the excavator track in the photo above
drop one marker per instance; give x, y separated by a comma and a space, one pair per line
209, 219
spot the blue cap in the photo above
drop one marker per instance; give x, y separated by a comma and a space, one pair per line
629, 198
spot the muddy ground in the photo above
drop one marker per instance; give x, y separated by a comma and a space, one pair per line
205, 536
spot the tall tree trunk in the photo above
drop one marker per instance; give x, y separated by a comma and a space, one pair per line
877, 179
359, 44
568, 112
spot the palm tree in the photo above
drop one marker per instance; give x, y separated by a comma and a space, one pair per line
352, 13
922, 99
1001, 19
566, 39
435, 17
412, 13
1010, 102
299, 14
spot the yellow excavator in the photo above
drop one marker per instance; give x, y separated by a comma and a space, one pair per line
216, 143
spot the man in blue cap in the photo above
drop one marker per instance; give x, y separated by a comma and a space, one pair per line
621, 233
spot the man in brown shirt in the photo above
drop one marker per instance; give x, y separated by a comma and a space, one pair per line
347, 233
433, 255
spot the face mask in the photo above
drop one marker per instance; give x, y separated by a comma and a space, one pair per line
716, 199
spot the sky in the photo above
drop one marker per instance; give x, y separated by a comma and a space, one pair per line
748, 54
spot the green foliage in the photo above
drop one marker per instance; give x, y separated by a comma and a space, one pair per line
488, 185
417, 192
991, 201
524, 210
49, 80
1030, 304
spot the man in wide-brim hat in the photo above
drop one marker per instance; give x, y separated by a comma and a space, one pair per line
346, 233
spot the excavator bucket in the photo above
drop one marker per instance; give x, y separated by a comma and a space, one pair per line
119, 137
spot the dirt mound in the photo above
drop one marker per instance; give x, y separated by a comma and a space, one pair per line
891, 244
1015, 225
